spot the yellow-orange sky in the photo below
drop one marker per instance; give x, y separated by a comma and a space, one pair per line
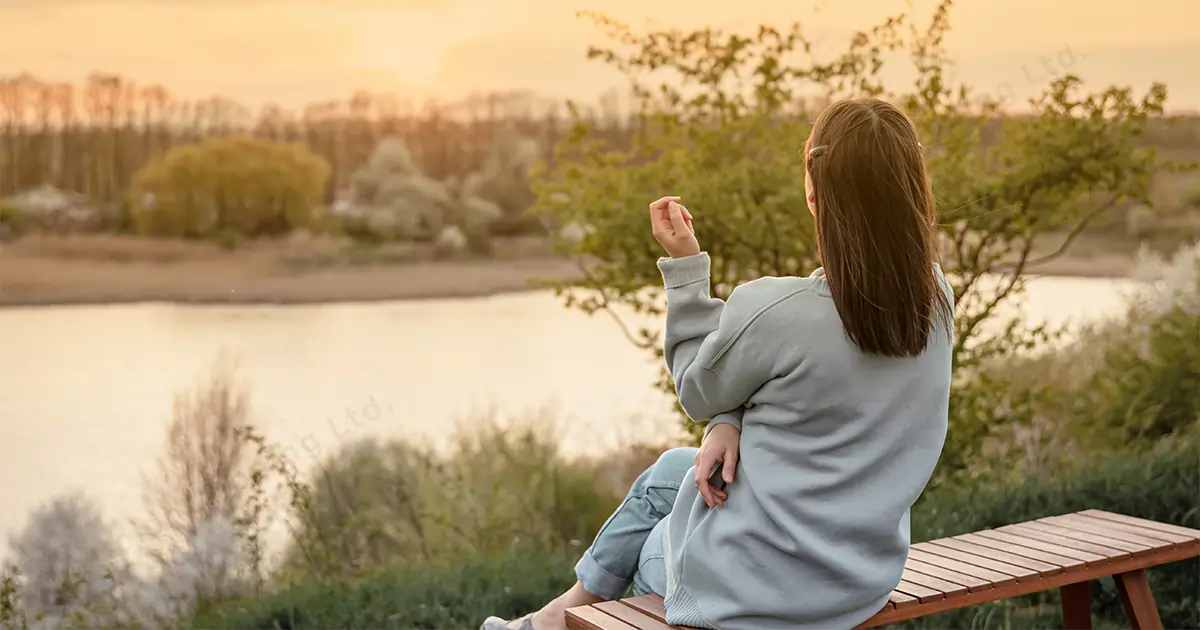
296, 51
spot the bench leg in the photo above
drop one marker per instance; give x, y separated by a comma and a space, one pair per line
1138, 601
1076, 606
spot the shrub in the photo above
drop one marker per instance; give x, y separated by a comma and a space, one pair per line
1159, 483
1146, 384
406, 598
375, 505
70, 563
248, 186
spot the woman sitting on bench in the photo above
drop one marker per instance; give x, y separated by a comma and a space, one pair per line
827, 396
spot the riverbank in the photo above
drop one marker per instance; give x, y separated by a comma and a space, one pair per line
42, 271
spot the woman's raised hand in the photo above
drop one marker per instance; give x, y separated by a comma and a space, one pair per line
672, 226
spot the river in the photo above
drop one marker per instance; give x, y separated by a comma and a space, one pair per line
87, 390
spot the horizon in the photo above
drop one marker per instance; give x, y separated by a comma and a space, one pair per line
256, 53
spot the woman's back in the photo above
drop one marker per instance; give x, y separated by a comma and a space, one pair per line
835, 447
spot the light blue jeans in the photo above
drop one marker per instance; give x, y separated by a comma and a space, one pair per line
628, 551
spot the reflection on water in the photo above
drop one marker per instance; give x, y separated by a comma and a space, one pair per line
87, 390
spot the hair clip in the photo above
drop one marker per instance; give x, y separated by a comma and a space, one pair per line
819, 150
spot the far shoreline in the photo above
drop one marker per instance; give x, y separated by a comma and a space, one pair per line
29, 283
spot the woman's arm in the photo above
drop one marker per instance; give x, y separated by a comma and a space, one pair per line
715, 351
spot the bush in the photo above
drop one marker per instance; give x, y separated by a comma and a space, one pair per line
1159, 483
71, 565
406, 598
248, 186
377, 505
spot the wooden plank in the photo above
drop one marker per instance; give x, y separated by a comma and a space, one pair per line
1040, 545
593, 619
921, 592
1165, 538
1114, 543
968, 582
1180, 530
1063, 541
1042, 568
995, 578
632, 616
900, 600
651, 605
1103, 529
946, 588
1046, 557
972, 559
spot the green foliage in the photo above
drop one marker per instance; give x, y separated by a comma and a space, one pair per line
374, 505
723, 121
406, 598
1159, 483
1148, 387
241, 185
12, 612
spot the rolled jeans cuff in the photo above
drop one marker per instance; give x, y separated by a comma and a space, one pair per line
599, 582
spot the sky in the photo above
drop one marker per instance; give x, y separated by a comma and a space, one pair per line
294, 52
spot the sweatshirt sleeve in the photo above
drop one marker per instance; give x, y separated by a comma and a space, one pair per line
716, 353
732, 418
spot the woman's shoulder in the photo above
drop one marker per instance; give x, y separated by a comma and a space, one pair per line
768, 292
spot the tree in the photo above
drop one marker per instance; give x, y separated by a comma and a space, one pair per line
71, 564
204, 476
722, 119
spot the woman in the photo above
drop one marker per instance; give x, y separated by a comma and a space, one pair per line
833, 389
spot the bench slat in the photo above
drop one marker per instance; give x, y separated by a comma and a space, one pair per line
968, 582
974, 560
596, 619
922, 593
1049, 557
1102, 530
1194, 534
1129, 532
901, 600
632, 616
1063, 541
995, 578
1115, 543
1038, 566
941, 587
649, 604
1038, 545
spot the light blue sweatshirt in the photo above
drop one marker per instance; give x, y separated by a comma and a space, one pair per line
836, 445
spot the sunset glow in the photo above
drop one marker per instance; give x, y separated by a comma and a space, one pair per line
264, 50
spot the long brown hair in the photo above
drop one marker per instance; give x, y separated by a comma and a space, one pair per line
876, 222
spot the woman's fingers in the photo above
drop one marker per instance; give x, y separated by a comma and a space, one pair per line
678, 222
731, 460
704, 465
660, 204
704, 488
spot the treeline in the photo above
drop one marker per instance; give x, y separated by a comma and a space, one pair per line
91, 139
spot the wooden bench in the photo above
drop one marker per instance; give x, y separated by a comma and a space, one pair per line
1060, 552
